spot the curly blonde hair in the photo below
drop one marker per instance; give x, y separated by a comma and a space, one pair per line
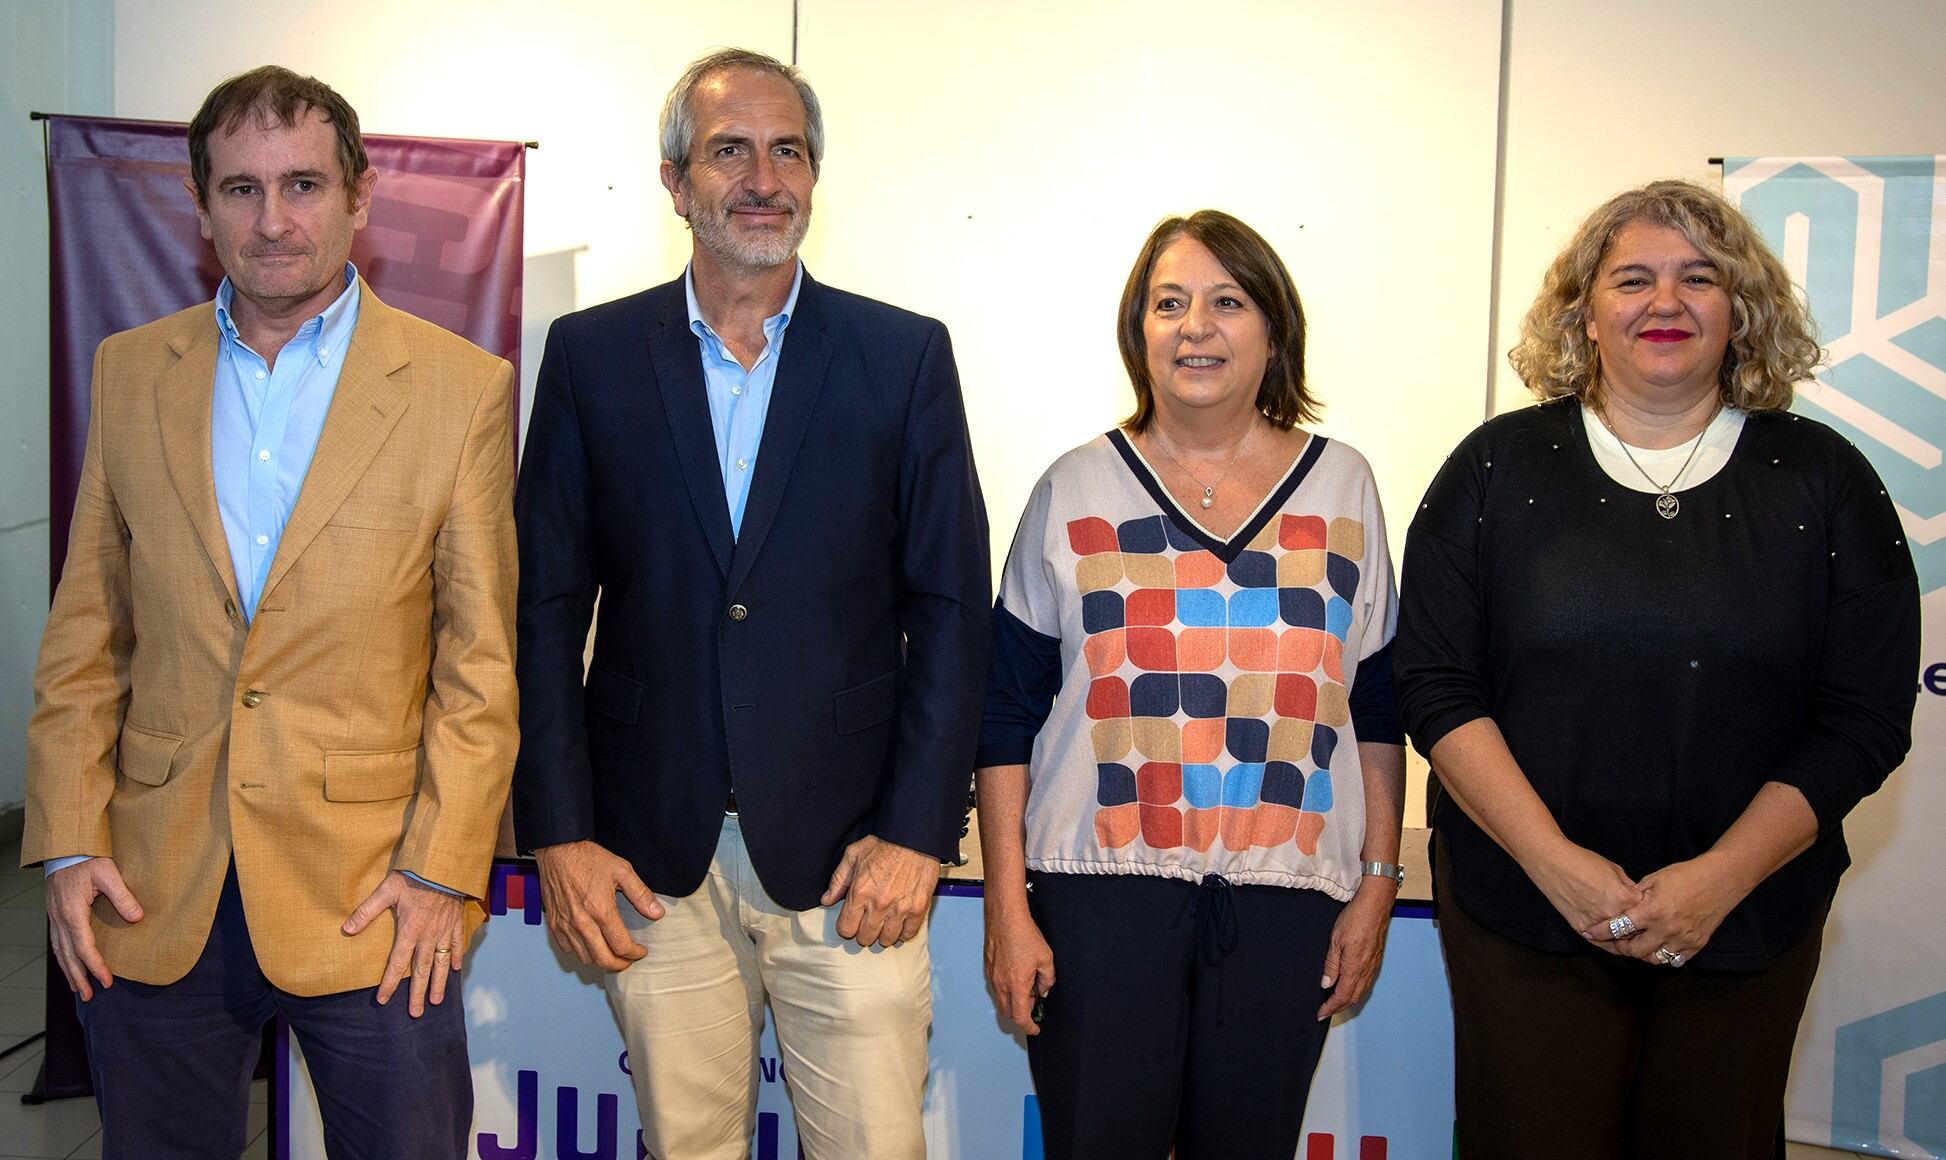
1773, 343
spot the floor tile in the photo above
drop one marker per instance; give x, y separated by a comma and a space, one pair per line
19, 1070
22, 927
52, 1129
23, 1011
90, 1149
12, 958
30, 973
22, 891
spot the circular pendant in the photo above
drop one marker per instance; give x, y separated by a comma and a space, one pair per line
1209, 496
1667, 506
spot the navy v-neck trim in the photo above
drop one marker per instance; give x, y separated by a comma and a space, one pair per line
1226, 551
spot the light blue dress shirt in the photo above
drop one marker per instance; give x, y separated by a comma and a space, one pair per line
264, 428
739, 399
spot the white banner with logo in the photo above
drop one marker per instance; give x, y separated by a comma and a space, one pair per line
550, 1074
1866, 239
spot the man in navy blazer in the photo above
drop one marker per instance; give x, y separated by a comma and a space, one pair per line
768, 484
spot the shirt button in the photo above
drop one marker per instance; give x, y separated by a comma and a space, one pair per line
253, 698
263, 456
738, 612
736, 390
262, 540
742, 463
260, 374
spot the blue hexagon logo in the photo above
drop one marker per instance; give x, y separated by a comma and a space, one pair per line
1866, 239
1889, 1082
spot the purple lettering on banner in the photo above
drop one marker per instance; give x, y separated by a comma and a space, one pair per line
528, 1130
567, 1125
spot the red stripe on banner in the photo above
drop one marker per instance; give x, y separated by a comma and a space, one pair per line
1371, 1148
516, 892
1318, 1146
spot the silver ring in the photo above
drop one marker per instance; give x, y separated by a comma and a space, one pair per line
1667, 957
1621, 926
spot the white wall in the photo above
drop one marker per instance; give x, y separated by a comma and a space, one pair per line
999, 164
54, 58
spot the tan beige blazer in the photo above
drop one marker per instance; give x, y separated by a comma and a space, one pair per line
363, 721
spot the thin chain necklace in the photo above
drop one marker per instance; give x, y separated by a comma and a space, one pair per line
1209, 489
1666, 504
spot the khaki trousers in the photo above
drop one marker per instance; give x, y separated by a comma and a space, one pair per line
851, 1023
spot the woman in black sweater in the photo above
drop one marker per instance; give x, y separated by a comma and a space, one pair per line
1658, 635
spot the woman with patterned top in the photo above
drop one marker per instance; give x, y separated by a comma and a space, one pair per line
1191, 767
1658, 636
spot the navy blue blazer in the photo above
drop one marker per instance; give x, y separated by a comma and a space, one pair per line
829, 662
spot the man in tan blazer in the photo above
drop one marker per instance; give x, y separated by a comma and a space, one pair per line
275, 709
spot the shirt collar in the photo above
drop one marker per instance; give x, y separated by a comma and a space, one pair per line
327, 333
772, 325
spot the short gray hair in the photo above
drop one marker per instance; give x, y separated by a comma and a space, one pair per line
679, 112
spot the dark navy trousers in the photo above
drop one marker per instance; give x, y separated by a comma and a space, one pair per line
172, 1064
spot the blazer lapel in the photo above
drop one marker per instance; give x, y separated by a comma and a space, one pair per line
793, 397
364, 409
185, 397
679, 380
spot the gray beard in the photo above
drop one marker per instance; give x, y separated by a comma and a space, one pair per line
711, 227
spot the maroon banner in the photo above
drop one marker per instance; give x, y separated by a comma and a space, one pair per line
124, 249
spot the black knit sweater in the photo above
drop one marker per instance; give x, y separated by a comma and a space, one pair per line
1650, 675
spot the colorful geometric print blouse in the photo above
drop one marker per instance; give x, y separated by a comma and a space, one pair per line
1188, 705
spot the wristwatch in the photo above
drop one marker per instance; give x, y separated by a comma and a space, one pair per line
1391, 870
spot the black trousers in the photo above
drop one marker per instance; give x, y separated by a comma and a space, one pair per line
1608, 1058
1181, 1015
172, 1064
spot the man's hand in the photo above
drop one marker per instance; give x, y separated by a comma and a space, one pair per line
427, 937
579, 881
71, 894
887, 891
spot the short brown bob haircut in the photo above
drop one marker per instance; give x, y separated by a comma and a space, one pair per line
277, 96
1773, 344
1282, 398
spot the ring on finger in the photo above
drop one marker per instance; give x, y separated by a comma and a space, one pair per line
1621, 926
1667, 957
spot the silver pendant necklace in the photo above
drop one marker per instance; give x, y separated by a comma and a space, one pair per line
1209, 489
1666, 504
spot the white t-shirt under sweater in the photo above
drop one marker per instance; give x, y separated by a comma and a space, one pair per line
1204, 722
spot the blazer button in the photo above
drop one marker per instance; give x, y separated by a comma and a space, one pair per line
738, 612
229, 608
253, 698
